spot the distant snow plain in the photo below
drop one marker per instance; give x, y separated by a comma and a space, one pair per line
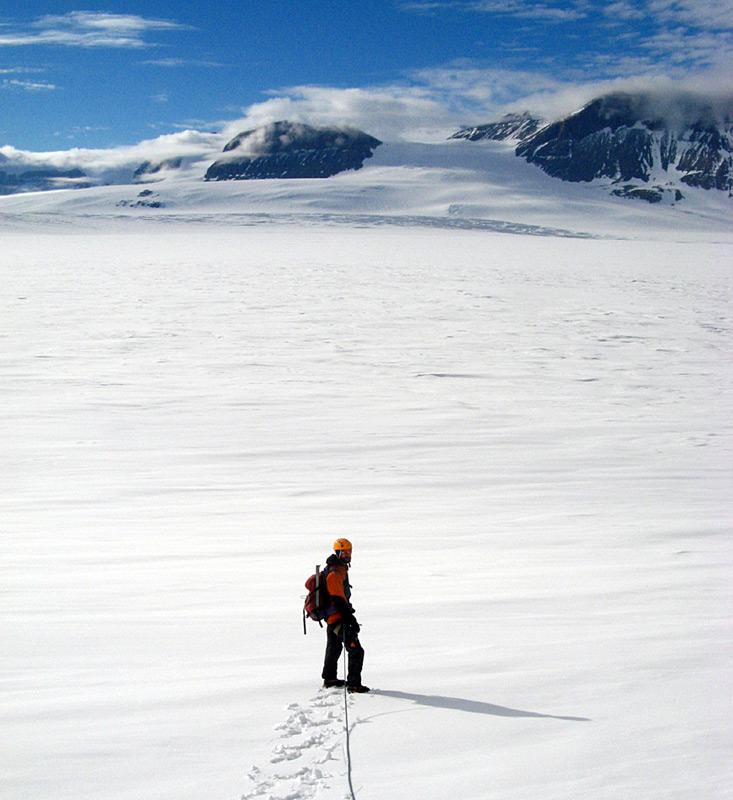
525, 433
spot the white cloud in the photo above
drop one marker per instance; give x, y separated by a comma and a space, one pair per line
664, 95
439, 101
27, 86
191, 145
180, 62
716, 15
527, 9
97, 20
703, 49
624, 10
521, 9
658, 35
20, 70
387, 112
87, 29
165, 62
426, 7
710, 14
466, 87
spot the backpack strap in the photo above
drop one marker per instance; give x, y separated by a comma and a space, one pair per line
319, 577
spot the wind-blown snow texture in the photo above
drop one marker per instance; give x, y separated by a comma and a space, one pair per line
528, 439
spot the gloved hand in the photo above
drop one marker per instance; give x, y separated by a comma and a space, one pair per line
344, 608
353, 625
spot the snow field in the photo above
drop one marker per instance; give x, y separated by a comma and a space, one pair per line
527, 439
468, 184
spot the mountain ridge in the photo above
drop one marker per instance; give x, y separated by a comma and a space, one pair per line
518, 126
612, 137
622, 145
654, 145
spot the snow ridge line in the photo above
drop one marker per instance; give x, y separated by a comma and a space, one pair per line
307, 741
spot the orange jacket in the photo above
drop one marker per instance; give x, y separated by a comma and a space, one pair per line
337, 583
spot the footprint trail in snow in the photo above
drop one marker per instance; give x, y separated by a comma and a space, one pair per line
310, 737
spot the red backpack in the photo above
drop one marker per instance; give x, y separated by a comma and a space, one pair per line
318, 599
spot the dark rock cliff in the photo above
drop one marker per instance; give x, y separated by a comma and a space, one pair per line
511, 126
624, 137
292, 150
150, 168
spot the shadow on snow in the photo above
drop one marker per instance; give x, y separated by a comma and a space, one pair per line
472, 706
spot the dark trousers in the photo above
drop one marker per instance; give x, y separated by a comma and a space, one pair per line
334, 646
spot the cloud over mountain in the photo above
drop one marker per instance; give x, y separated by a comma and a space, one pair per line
388, 112
428, 105
107, 163
432, 103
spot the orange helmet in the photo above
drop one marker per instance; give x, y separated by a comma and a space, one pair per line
341, 544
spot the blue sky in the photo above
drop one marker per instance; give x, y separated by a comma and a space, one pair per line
114, 73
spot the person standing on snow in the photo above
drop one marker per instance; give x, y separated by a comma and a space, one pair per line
342, 629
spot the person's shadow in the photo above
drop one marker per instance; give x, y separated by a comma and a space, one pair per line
472, 706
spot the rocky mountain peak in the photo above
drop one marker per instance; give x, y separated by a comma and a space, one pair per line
292, 150
638, 137
511, 126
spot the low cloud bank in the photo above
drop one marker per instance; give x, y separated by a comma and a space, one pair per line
440, 101
677, 102
389, 112
119, 162
434, 104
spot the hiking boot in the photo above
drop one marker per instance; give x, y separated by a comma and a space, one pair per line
335, 682
360, 689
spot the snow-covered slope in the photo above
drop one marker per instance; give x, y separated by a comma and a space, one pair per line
479, 184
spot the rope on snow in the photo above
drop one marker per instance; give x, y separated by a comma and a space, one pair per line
346, 720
